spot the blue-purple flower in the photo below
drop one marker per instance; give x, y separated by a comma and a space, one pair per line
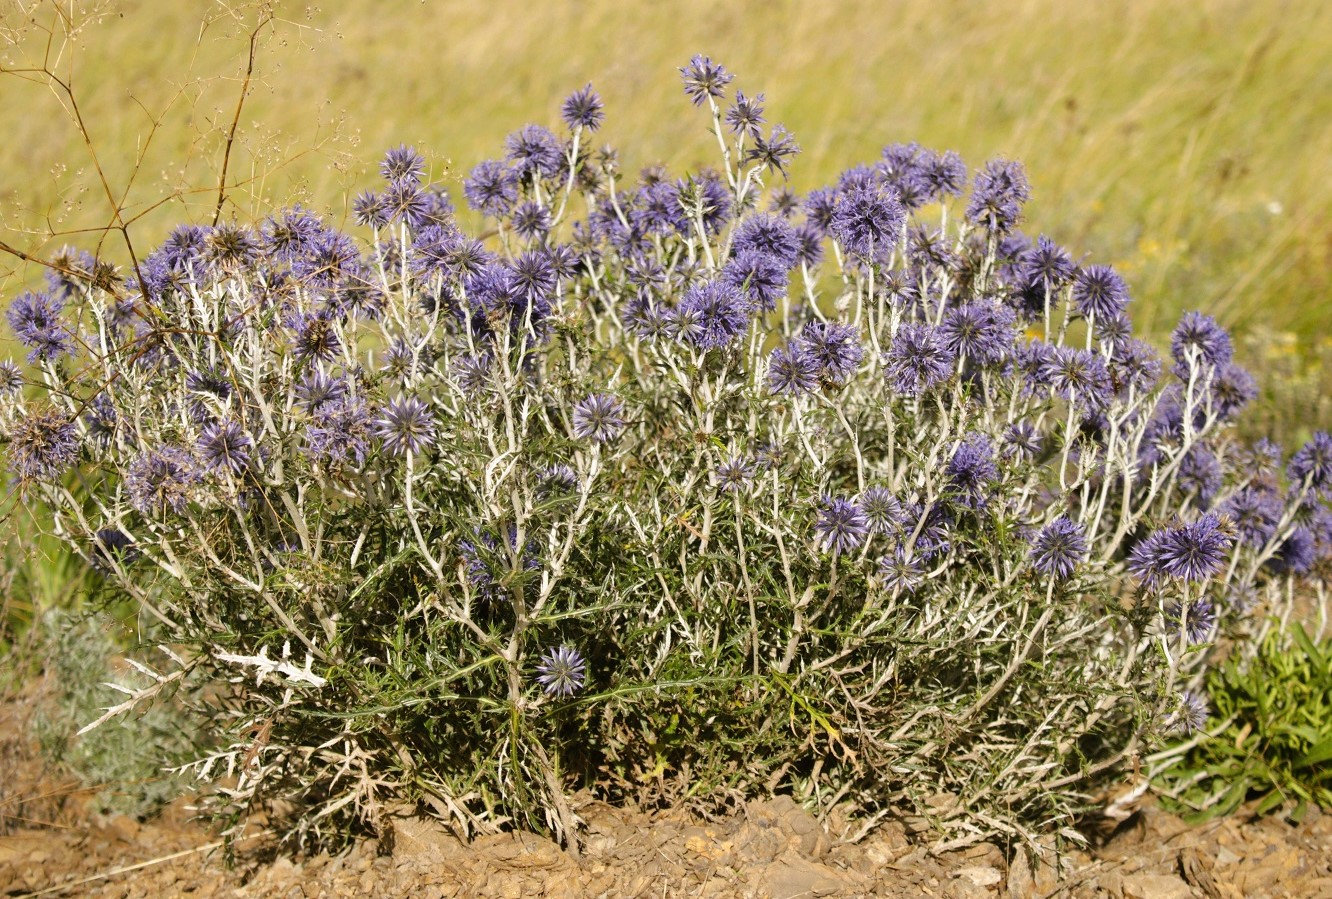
792, 372
868, 221
834, 347
225, 447
704, 78
712, 314
1059, 548
917, 359
997, 195
43, 446
562, 671
163, 480
583, 109
405, 425
599, 418
841, 526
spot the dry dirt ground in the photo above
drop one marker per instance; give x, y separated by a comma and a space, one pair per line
51, 846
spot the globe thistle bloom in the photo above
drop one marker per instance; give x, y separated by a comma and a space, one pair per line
225, 447
1312, 463
764, 232
43, 446
290, 234
1198, 623
231, 248
531, 221
971, 470
900, 572
1078, 374
1099, 292
1190, 716
868, 222
820, 205
35, 320
491, 188
774, 152
405, 201
703, 79
1200, 474
841, 526
761, 276
583, 109
599, 418
982, 331
331, 260
834, 347
338, 432
1114, 332
370, 210
314, 336
11, 378
997, 195
715, 312
406, 425
881, 509
1022, 441
562, 671
317, 388
1232, 389
745, 116
811, 245
1255, 513
557, 479
1199, 335
917, 360
792, 372
534, 151
1047, 264
734, 475
1059, 548
1194, 551
1297, 553
472, 373
945, 174
402, 163
1134, 365
162, 480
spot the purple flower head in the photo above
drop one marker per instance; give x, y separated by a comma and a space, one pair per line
1099, 291
1198, 622
314, 336
1297, 554
1233, 388
997, 195
1191, 715
230, 247
35, 320
317, 388
1145, 559
819, 208
982, 331
972, 469
767, 233
746, 115
43, 446
491, 188
1255, 512
332, 259
784, 202
1023, 441
1313, 462
881, 509
1059, 548
1194, 551
599, 418
534, 151
1047, 264
811, 245
1114, 332
557, 479
868, 222
775, 151
842, 526
762, 277
792, 372
405, 201
370, 210
658, 209
945, 173
1199, 336
531, 221
562, 671
710, 193
1079, 375
111, 546
162, 480
339, 432
11, 378
712, 314
734, 475
900, 572
402, 163
225, 447
1200, 474
291, 234
583, 109
703, 79
406, 425
1134, 365
834, 347
917, 360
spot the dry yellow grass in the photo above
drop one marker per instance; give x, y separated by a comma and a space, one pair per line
1187, 142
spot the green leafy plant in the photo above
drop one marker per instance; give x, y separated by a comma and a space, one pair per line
1275, 741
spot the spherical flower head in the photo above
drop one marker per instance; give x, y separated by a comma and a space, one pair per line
775, 151
917, 360
1200, 474
997, 195
599, 418
1255, 512
562, 671
231, 248
491, 188
583, 109
900, 572
557, 479
811, 245
792, 372
317, 388
1134, 365
1297, 553
982, 331
370, 210
1190, 716
531, 220
881, 509
1022, 441
703, 79
1079, 375
35, 320
820, 205
224, 447
332, 259
1312, 463
734, 475
11, 378
764, 232
111, 546
1047, 264
1099, 292
1232, 389
405, 425
402, 163
1059, 548
339, 432
841, 526
715, 313
162, 480
761, 276
834, 347
945, 174
314, 336
1195, 551
1146, 560
1198, 623
405, 201
745, 116
971, 470
534, 151
43, 446
1198, 336
868, 222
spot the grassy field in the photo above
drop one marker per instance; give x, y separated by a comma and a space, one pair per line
1187, 142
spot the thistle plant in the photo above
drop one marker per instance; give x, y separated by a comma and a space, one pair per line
673, 487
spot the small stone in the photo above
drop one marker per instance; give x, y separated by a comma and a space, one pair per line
1156, 886
980, 875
